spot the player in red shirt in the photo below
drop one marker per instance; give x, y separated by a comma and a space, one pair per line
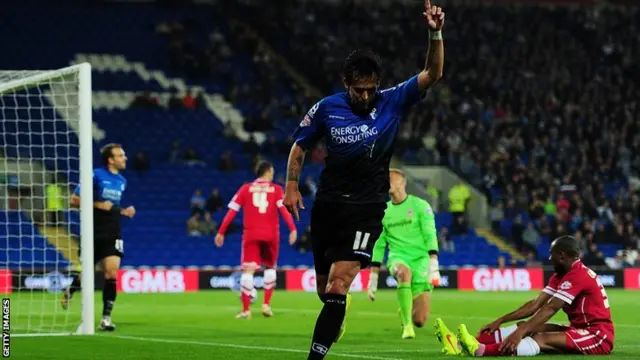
574, 288
261, 201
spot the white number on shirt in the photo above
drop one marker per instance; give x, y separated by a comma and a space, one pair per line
260, 201
604, 293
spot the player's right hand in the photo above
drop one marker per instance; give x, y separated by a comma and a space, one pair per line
293, 199
219, 240
106, 205
490, 328
372, 294
293, 236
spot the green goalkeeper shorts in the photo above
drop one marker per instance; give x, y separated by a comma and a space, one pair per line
419, 272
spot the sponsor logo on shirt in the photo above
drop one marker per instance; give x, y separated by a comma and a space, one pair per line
352, 134
306, 121
565, 285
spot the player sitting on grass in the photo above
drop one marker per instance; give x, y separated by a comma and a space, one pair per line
574, 288
409, 229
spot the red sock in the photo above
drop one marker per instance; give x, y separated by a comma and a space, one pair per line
246, 300
489, 350
268, 292
486, 338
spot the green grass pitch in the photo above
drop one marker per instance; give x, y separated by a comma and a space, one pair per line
202, 326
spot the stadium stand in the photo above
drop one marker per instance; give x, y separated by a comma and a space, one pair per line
495, 114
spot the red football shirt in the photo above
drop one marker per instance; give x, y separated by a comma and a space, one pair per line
587, 304
261, 200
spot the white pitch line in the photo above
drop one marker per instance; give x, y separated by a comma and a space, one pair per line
238, 346
395, 315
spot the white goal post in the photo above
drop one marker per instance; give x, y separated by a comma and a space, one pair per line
45, 153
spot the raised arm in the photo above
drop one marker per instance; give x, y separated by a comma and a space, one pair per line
434, 65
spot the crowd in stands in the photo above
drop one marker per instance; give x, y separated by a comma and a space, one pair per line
538, 106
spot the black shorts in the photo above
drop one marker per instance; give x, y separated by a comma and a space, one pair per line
104, 247
344, 232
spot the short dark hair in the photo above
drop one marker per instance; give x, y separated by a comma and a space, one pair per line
263, 167
568, 245
361, 64
106, 152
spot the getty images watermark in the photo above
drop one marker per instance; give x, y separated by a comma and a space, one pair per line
6, 328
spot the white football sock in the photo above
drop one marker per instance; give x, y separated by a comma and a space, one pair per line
246, 283
504, 332
270, 277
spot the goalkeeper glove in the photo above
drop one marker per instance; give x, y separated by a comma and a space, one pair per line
434, 272
373, 286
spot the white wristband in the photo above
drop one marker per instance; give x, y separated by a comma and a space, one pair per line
433, 265
435, 35
373, 281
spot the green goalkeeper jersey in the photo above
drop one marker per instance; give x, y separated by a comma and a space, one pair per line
409, 229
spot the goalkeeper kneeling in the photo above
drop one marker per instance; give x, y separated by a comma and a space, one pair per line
409, 230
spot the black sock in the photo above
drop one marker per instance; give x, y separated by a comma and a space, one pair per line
108, 296
75, 284
327, 325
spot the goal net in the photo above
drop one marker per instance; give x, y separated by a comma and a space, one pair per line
46, 125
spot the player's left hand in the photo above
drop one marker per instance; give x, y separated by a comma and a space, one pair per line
434, 278
293, 199
434, 16
129, 212
293, 236
219, 240
510, 344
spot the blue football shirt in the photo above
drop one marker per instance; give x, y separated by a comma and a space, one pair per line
107, 186
359, 146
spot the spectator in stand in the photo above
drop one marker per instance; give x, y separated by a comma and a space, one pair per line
563, 207
271, 146
226, 162
250, 147
198, 202
189, 101
594, 257
444, 240
459, 198
144, 101
531, 239
193, 225
532, 261
174, 152
141, 163
517, 232
215, 201
207, 226
496, 216
191, 158
304, 244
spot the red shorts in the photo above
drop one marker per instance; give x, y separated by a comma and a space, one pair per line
256, 253
588, 342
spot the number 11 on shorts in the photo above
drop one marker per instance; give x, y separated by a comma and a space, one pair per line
120, 245
360, 243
